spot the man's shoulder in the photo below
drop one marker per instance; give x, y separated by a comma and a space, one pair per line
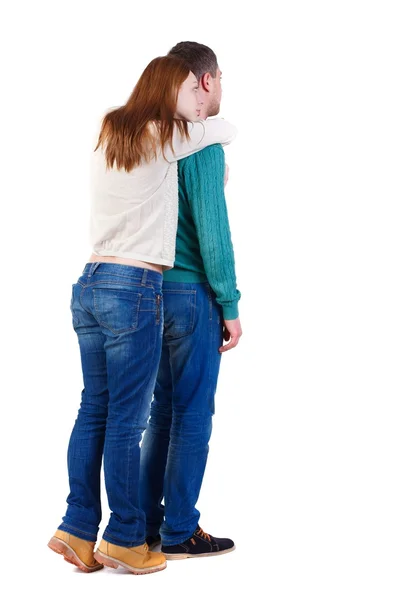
215, 152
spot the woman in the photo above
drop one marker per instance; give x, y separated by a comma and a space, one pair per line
117, 308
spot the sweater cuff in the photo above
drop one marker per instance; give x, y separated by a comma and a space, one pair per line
230, 311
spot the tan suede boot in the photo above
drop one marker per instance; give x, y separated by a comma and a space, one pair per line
138, 559
75, 550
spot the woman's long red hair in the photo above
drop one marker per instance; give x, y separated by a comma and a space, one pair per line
126, 135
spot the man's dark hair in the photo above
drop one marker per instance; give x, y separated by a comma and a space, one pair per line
199, 58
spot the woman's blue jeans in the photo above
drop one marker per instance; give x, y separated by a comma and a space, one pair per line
117, 313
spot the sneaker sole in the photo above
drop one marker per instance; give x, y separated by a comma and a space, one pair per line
114, 563
70, 555
181, 556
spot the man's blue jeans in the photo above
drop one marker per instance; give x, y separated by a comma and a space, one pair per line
117, 315
175, 445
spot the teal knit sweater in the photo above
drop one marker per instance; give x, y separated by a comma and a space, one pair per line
204, 250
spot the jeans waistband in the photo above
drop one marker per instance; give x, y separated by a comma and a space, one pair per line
144, 276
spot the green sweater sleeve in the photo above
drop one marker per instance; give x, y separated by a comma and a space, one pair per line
204, 181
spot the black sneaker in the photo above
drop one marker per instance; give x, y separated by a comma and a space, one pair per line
153, 541
200, 544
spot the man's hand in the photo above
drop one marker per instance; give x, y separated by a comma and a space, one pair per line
226, 174
232, 331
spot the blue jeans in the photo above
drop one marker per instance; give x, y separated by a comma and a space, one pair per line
117, 315
175, 445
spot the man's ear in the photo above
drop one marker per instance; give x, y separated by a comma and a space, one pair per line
206, 82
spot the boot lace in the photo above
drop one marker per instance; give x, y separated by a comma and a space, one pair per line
204, 535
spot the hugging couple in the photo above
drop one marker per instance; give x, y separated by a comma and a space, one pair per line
154, 309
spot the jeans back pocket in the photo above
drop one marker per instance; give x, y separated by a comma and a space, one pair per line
179, 312
117, 309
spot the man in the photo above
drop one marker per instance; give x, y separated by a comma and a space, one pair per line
200, 311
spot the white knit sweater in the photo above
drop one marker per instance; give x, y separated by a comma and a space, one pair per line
134, 215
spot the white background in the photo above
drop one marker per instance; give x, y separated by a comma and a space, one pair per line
306, 467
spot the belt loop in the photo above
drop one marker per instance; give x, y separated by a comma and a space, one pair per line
144, 276
93, 268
